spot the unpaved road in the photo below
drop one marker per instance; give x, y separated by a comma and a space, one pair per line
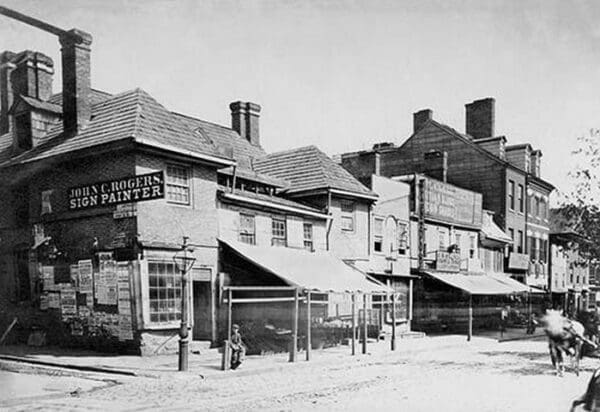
483, 375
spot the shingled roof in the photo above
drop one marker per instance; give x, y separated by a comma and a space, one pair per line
308, 168
133, 115
227, 140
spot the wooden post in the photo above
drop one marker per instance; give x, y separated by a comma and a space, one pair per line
308, 324
364, 331
353, 324
229, 312
294, 346
470, 332
393, 342
226, 359
410, 303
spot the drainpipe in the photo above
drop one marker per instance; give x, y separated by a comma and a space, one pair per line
330, 222
233, 180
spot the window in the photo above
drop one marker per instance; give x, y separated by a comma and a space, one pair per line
543, 209
247, 231
542, 252
521, 205
537, 206
21, 205
511, 195
520, 242
402, 237
442, 240
178, 185
457, 240
536, 249
308, 236
165, 292
278, 231
529, 204
347, 215
472, 247
377, 234
511, 233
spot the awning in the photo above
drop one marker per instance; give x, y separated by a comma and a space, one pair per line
491, 230
317, 271
480, 283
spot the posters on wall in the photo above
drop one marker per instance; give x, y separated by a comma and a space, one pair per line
74, 275
86, 278
44, 301
68, 303
125, 328
48, 277
124, 302
53, 300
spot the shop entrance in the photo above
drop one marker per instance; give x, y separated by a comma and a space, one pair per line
22, 274
202, 312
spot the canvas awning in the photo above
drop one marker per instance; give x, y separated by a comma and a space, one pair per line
317, 271
480, 283
491, 230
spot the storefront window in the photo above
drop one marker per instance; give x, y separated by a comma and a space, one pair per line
165, 292
402, 237
178, 185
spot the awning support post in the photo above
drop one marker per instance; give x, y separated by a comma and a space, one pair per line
308, 325
393, 342
364, 331
226, 349
470, 332
353, 324
294, 345
410, 303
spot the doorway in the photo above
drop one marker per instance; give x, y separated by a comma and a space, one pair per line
22, 274
202, 303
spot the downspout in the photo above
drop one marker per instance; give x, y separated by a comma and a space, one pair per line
233, 180
330, 222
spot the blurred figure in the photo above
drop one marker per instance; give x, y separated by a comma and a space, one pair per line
238, 349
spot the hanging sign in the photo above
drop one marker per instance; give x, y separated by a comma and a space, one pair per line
130, 189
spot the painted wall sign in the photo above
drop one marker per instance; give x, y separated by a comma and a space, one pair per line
518, 261
130, 189
451, 204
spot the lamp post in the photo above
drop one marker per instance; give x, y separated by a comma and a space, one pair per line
184, 264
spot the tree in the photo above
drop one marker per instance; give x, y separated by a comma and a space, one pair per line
579, 208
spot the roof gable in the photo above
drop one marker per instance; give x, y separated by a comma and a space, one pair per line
308, 168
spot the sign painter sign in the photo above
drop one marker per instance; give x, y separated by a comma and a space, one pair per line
130, 189
448, 262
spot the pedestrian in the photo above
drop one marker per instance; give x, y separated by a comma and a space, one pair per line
504, 318
238, 349
532, 324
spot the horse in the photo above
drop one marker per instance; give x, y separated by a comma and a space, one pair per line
565, 336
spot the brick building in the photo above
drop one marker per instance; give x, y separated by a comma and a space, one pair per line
508, 177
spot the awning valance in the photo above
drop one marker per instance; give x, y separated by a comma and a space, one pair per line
481, 283
316, 271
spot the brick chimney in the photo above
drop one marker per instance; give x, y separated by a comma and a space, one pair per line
436, 165
31, 75
6, 95
420, 118
480, 118
244, 120
76, 48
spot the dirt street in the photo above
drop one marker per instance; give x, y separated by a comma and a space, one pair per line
483, 375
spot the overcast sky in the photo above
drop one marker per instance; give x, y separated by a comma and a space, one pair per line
345, 75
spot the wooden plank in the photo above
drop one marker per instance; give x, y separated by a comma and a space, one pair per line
308, 327
294, 346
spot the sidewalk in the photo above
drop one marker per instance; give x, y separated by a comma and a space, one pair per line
208, 363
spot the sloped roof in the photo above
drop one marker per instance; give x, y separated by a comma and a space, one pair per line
96, 96
275, 200
227, 140
308, 168
560, 223
131, 115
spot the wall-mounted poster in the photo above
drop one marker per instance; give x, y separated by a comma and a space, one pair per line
125, 328
86, 277
74, 272
68, 303
44, 301
53, 300
124, 293
48, 277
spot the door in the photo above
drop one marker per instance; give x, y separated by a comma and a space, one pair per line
202, 302
22, 274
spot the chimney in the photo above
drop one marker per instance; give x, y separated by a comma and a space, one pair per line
420, 118
76, 48
31, 75
536, 160
244, 120
436, 165
480, 118
6, 95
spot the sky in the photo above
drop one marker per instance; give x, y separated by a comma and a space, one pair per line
344, 75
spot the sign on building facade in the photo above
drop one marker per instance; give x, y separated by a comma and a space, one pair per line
130, 189
449, 203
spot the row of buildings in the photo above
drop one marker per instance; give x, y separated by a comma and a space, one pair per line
98, 191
